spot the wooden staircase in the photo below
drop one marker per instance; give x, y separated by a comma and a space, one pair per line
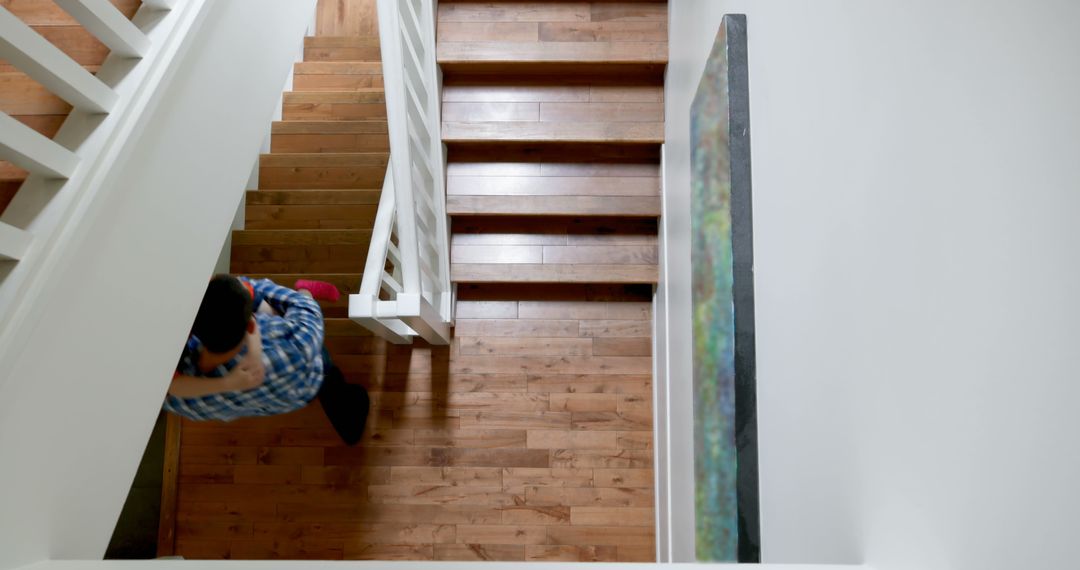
26, 100
530, 436
553, 114
320, 184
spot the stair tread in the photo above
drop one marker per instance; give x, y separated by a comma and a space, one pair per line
347, 283
338, 68
344, 327
312, 197
552, 273
342, 48
553, 205
362, 95
362, 126
532, 131
301, 237
523, 53
323, 159
341, 41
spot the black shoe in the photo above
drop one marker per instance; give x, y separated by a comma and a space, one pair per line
346, 405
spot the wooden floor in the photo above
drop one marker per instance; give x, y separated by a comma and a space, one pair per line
530, 437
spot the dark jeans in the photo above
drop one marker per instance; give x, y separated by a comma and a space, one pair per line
331, 373
346, 405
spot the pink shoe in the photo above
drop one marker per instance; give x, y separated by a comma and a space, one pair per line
320, 290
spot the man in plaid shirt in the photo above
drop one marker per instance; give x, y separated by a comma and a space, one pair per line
239, 362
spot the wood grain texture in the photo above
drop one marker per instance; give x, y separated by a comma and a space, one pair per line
342, 48
529, 131
539, 412
506, 34
492, 467
334, 105
26, 100
170, 481
346, 18
545, 273
630, 206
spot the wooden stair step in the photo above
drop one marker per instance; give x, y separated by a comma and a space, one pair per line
311, 197
329, 136
311, 217
249, 237
336, 75
347, 283
532, 249
368, 127
569, 132
334, 105
552, 273
609, 36
21, 95
557, 183
344, 327
282, 171
475, 56
8, 188
343, 258
538, 230
338, 68
300, 159
553, 205
556, 254
342, 48
318, 251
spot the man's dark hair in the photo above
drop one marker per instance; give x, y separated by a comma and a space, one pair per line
224, 314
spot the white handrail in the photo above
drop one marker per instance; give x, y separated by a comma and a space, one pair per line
411, 233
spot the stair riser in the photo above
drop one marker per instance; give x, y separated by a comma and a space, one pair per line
333, 111
312, 197
336, 82
342, 54
274, 178
329, 143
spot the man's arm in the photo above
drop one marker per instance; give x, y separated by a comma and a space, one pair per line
302, 312
248, 373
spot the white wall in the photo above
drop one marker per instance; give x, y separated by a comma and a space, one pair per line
79, 401
917, 192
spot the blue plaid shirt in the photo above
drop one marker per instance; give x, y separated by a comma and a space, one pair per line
292, 355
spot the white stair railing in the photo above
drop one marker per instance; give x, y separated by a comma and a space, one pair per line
406, 290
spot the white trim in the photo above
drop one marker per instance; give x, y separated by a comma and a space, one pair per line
55, 70
661, 392
13, 242
33, 151
160, 4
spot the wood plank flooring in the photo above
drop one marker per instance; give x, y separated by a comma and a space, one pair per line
489, 449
